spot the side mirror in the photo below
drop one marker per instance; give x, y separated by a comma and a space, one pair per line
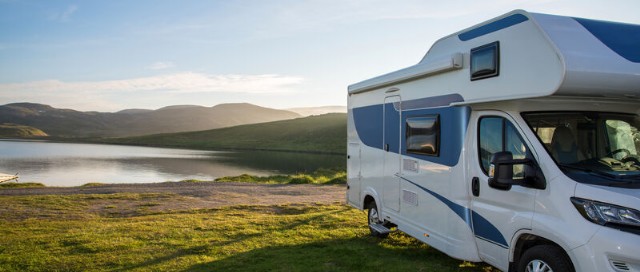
501, 172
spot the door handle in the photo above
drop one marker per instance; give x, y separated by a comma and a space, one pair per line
475, 186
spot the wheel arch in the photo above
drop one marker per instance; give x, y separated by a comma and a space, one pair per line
370, 195
525, 240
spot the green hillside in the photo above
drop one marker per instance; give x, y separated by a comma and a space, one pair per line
8, 130
324, 133
67, 123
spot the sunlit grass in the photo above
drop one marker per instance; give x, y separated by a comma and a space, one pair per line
322, 176
86, 233
93, 184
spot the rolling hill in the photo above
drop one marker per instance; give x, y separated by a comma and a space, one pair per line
133, 122
321, 134
19, 131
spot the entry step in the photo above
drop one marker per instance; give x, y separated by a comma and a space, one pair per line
380, 228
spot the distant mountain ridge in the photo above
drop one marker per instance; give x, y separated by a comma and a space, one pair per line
308, 111
135, 122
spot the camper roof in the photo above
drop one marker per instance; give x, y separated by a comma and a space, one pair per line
537, 55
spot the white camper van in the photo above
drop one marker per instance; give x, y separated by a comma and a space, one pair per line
514, 142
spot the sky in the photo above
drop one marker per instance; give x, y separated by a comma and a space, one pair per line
113, 55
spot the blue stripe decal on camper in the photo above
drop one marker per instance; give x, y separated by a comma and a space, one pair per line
369, 124
624, 39
460, 210
482, 228
392, 126
493, 27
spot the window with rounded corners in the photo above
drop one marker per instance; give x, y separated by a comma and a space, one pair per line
423, 135
485, 61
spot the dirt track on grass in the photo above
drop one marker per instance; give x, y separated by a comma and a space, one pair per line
174, 196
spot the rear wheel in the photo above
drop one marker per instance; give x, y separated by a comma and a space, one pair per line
545, 258
374, 218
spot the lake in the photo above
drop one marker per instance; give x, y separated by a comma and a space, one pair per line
74, 164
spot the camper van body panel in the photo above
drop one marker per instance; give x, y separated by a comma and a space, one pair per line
436, 189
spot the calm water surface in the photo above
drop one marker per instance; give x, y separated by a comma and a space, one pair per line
71, 164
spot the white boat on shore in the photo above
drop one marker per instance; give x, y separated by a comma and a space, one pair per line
8, 177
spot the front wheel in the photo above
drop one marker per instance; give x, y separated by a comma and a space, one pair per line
374, 218
545, 258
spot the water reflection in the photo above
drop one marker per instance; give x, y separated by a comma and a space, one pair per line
66, 164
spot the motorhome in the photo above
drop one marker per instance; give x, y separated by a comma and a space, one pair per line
514, 142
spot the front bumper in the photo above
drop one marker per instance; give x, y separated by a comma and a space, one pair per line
609, 250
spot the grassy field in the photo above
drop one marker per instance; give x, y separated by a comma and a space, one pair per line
68, 233
321, 134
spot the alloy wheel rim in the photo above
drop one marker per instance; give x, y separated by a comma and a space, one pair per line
373, 216
538, 266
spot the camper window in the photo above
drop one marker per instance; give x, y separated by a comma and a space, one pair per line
485, 61
423, 135
591, 147
496, 134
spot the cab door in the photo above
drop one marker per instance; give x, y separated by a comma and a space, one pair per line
497, 213
391, 141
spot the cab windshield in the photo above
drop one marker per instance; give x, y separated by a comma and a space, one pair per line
591, 147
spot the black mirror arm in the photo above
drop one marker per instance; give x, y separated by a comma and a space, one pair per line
536, 181
514, 162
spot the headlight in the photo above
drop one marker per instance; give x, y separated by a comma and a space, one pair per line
604, 213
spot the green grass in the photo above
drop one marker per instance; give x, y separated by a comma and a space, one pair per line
88, 233
321, 134
21, 185
321, 176
93, 184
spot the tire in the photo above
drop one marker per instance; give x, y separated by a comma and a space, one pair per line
545, 258
373, 217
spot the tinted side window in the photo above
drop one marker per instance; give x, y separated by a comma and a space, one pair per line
423, 135
496, 134
490, 139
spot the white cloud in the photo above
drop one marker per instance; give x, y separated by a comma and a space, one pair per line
161, 65
180, 82
152, 92
64, 16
